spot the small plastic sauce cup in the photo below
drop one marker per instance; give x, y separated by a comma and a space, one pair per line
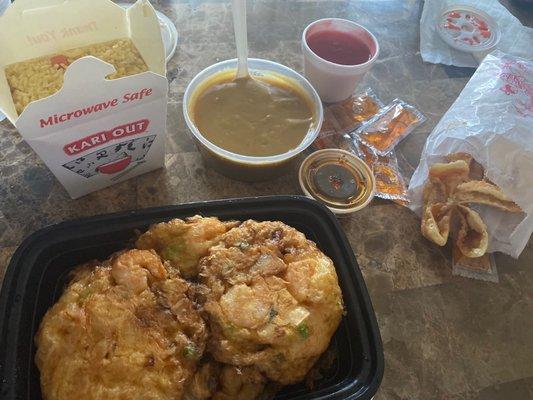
336, 82
338, 179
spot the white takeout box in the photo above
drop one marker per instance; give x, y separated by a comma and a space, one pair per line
93, 132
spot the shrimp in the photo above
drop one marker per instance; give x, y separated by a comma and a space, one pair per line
184, 243
133, 269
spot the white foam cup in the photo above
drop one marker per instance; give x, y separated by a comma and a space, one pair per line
336, 82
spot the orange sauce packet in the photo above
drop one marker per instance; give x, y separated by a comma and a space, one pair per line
483, 268
389, 181
350, 113
329, 137
387, 128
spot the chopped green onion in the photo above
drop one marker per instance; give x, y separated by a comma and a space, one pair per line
174, 251
227, 268
271, 314
84, 294
243, 245
190, 351
303, 330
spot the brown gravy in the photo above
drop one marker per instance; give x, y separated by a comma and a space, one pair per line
258, 117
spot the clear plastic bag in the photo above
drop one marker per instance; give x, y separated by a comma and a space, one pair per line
491, 120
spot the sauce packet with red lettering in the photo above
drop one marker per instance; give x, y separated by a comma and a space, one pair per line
340, 119
389, 126
329, 138
333, 140
482, 268
390, 184
352, 112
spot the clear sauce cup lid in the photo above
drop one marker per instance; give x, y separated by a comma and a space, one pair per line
338, 179
468, 29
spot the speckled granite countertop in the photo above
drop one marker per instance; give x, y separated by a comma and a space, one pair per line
444, 337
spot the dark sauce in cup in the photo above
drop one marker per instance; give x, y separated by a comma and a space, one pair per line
337, 178
339, 47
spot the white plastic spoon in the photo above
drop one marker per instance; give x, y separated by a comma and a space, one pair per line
241, 40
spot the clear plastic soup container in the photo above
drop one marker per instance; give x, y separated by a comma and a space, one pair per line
249, 168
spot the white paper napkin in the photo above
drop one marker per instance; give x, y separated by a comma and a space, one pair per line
516, 39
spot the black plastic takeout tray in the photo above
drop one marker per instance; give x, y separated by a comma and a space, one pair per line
38, 273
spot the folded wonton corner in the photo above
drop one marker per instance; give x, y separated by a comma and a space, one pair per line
451, 188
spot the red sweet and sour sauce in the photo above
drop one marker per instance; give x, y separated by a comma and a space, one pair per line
339, 47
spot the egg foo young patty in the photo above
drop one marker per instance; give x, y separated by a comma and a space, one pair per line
272, 300
183, 242
225, 382
123, 329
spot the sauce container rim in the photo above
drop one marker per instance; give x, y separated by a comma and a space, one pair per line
359, 163
256, 65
